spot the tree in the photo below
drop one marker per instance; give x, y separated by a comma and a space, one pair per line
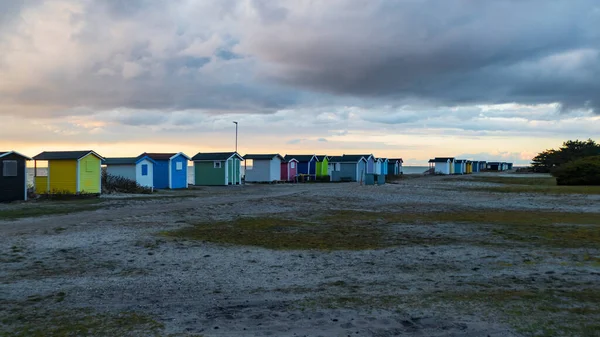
583, 171
570, 150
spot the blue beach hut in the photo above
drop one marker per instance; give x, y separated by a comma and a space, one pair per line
170, 169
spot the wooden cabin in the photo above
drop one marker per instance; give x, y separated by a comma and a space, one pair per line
139, 169
217, 169
348, 168
289, 169
265, 168
69, 172
170, 170
13, 180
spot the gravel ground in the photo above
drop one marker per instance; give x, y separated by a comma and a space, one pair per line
113, 260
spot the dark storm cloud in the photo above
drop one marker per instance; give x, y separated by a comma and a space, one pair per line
263, 56
452, 52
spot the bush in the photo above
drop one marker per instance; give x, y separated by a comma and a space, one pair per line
67, 195
584, 171
323, 179
118, 184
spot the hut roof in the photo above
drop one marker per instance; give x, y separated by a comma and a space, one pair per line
126, 160
263, 156
6, 153
215, 156
162, 156
299, 157
62, 155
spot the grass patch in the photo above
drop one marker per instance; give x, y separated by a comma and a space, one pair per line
539, 313
560, 229
359, 230
291, 234
34, 321
45, 208
544, 185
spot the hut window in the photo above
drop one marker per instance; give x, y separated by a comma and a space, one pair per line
10, 168
179, 166
88, 167
217, 164
293, 164
144, 169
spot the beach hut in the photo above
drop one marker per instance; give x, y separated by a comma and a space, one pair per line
348, 168
322, 165
289, 169
468, 167
475, 166
170, 169
509, 166
69, 172
442, 165
138, 169
494, 166
394, 166
307, 163
377, 166
217, 169
460, 166
13, 177
482, 165
265, 168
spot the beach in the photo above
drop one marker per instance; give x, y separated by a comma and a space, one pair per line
423, 256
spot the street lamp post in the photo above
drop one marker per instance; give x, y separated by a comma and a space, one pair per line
236, 135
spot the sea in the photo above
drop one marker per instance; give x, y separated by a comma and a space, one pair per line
414, 169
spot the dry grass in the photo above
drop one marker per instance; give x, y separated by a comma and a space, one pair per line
543, 185
294, 234
43, 208
561, 229
360, 230
539, 312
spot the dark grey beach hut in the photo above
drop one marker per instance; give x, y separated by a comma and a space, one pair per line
13, 176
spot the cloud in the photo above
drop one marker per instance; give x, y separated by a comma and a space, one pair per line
322, 140
257, 56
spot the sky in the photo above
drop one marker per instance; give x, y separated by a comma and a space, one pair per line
476, 79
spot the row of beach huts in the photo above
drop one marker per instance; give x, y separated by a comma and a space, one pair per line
80, 171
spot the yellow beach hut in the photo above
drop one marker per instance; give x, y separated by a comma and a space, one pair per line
69, 172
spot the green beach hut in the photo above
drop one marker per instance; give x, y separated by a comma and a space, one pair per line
217, 169
322, 165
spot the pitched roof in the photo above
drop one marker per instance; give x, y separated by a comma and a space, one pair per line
441, 159
353, 158
162, 156
120, 161
299, 157
321, 157
212, 156
6, 153
396, 159
263, 156
58, 155
335, 159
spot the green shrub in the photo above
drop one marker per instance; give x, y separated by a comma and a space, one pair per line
118, 184
584, 171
